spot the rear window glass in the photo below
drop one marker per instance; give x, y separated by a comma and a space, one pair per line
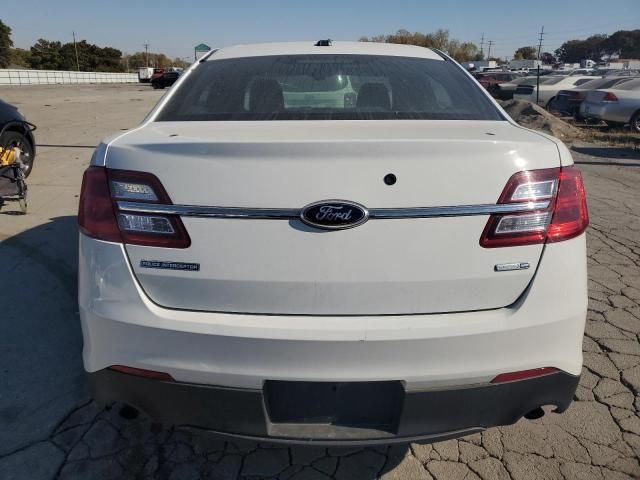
328, 87
531, 81
553, 80
630, 85
601, 83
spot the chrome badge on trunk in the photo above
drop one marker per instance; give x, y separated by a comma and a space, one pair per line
334, 214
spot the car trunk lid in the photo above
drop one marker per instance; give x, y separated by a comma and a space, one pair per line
384, 266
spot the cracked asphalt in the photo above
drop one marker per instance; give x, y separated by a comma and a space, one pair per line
50, 429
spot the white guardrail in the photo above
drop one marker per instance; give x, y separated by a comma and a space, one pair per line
55, 77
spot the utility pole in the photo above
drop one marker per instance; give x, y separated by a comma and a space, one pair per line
538, 78
482, 46
146, 53
489, 52
75, 47
540, 42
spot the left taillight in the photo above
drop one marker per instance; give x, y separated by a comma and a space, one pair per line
100, 217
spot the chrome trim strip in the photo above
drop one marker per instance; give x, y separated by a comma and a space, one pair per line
289, 213
211, 212
456, 211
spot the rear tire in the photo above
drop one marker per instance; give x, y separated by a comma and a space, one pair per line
547, 107
17, 139
634, 123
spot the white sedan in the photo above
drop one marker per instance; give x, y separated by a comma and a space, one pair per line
333, 243
549, 88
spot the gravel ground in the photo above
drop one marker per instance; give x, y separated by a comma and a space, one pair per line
49, 428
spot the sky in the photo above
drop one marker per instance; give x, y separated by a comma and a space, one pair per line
174, 27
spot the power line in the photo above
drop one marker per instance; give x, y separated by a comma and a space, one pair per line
482, 46
489, 52
522, 38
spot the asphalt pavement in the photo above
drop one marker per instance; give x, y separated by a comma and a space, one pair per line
50, 428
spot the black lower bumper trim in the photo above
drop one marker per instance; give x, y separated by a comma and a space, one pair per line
336, 413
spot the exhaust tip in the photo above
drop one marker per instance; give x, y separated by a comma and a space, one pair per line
534, 414
128, 412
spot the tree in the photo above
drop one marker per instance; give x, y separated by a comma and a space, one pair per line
5, 45
573, 51
624, 44
547, 58
18, 57
156, 60
46, 55
180, 63
461, 51
526, 53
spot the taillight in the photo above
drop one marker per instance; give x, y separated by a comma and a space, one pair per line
610, 98
563, 217
100, 217
570, 215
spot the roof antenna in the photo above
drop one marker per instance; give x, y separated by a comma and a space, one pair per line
323, 43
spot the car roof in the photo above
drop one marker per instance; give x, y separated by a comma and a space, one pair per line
338, 48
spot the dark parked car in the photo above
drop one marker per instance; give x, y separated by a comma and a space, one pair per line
165, 80
18, 133
491, 80
157, 73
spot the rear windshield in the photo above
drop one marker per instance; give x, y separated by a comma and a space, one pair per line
553, 80
630, 85
328, 87
603, 83
532, 80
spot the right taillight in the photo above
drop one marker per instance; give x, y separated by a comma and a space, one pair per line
100, 217
570, 215
610, 98
563, 215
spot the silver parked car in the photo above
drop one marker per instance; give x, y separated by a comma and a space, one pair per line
619, 105
569, 101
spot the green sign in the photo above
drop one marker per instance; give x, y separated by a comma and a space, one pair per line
202, 48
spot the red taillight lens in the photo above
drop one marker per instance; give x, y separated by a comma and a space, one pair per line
100, 216
610, 98
565, 216
96, 216
141, 372
524, 374
570, 216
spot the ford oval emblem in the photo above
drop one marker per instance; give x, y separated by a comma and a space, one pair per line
334, 214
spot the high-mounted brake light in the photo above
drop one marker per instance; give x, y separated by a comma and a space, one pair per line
100, 217
564, 217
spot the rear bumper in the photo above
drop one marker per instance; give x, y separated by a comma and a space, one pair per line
544, 328
430, 415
